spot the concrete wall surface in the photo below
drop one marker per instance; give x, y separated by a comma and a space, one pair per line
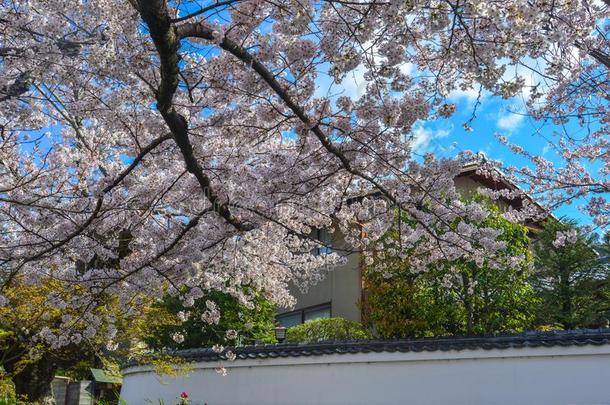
575, 375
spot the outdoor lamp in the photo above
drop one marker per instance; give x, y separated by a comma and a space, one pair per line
280, 333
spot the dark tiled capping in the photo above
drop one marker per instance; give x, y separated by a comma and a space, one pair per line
581, 337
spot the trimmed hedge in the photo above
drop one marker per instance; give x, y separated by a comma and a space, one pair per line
327, 329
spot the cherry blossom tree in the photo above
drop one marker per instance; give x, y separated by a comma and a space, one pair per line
150, 145
570, 92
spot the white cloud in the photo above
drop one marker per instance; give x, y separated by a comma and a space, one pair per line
529, 70
353, 84
470, 95
466, 99
510, 121
408, 69
423, 137
546, 149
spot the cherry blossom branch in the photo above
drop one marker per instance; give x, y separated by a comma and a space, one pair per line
96, 211
155, 15
201, 31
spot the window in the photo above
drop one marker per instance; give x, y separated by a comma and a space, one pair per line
316, 313
290, 319
325, 239
303, 315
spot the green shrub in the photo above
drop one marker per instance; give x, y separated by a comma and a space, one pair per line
7, 390
327, 329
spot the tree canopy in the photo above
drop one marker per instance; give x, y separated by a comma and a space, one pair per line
571, 279
172, 144
31, 362
454, 297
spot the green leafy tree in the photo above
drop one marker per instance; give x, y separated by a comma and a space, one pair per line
570, 278
455, 297
602, 246
7, 389
32, 363
252, 323
327, 329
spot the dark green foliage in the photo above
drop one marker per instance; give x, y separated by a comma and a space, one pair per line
7, 390
255, 324
480, 299
571, 280
327, 329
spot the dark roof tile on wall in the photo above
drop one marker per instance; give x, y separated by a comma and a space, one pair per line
582, 337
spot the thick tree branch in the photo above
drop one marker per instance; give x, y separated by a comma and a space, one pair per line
601, 57
596, 54
164, 35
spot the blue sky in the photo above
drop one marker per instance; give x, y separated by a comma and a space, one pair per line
494, 116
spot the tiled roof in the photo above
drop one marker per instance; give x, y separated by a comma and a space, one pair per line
581, 337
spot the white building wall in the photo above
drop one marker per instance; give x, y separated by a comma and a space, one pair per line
536, 376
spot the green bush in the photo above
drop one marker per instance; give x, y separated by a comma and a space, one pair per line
327, 329
7, 390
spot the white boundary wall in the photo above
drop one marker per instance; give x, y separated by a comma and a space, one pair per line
537, 376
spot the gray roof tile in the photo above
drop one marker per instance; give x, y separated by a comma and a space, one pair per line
580, 337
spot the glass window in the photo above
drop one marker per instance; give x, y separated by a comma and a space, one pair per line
326, 240
316, 313
290, 319
308, 314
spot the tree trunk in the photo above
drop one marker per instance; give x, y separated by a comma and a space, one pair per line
34, 381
